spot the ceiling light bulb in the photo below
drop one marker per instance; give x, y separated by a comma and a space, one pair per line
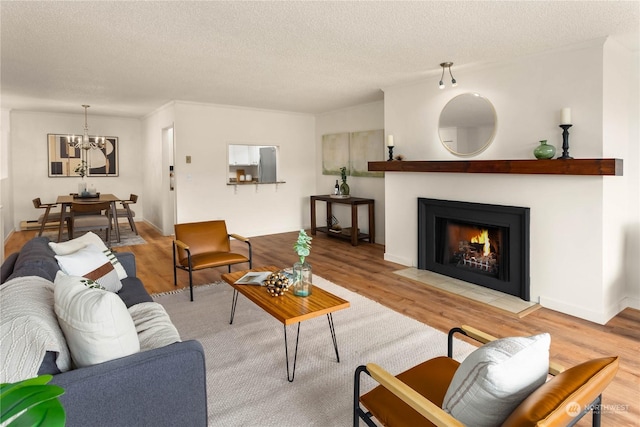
454, 83
441, 84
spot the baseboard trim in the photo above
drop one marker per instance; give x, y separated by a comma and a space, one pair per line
600, 318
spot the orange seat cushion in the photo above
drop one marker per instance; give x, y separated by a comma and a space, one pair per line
431, 379
214, 259
549, 404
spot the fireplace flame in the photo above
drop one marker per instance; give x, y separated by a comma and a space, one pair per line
483, 237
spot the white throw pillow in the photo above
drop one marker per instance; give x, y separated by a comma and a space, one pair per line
92, 263
74, 245
492, 381
95, 323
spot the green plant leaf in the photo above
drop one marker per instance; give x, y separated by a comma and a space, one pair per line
302, 246
42, 379
35, 401
49, 413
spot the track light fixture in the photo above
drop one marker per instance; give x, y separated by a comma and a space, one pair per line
448, 65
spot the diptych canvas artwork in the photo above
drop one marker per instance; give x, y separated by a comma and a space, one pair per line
64, 159
353, 150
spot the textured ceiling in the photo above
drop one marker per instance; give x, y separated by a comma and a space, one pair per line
128, 58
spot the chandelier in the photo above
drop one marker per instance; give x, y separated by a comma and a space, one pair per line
85, 142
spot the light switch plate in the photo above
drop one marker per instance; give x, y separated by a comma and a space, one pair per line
188, 159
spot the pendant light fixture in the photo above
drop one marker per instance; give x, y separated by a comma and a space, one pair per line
448, 65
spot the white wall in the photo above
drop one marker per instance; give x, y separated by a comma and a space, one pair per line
6, 189
577, 223
617, 207
155, 177
358, 118
29, 159
204, 131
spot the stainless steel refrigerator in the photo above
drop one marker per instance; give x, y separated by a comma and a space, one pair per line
267, 165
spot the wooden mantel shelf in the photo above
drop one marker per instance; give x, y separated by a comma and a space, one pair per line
550, 167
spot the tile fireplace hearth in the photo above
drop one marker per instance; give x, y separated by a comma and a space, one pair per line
497, 300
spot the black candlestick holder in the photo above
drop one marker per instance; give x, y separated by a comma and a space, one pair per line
565, 142
390, 153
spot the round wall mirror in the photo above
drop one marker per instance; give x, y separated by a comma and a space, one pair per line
467, 124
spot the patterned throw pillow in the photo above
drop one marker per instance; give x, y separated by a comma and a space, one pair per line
74, 245
492, 381
91, 263
91, 284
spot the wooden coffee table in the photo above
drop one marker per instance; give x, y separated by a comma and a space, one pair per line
288, 309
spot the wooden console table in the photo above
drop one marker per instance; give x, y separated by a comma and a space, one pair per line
355, 235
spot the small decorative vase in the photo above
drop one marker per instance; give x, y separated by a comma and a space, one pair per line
544, 151
344, 188
82, 188
302, 279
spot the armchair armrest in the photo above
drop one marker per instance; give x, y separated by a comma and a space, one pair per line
248, 242
422, 405
181, 244
477, 334
239, 237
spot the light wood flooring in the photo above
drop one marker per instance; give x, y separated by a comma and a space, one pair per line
362, 269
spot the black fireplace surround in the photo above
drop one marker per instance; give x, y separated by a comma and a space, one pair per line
509, 228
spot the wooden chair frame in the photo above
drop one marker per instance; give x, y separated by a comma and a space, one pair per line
126, 211
426, 408
45, 217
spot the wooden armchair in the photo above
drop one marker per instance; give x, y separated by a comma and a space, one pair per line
200, 245
47, 217
127, 212
416, 396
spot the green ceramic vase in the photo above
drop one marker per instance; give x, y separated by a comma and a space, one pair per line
544, 151
344, 188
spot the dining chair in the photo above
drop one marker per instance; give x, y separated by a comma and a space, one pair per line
200, 245
89, 216
127, 212
47, 217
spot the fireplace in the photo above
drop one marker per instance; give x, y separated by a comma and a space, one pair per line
479, 243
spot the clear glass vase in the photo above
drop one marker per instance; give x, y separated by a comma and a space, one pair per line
302, 279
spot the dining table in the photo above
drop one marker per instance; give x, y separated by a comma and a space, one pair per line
65, 201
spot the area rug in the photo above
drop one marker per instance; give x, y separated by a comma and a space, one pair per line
246, 372
127, 237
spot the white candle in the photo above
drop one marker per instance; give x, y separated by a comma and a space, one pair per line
390, 141
565, 116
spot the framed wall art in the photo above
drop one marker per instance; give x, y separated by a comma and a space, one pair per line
335, 153
353, 150
65, 159
365, 147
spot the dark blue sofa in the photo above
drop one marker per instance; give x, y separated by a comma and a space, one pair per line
161, 387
